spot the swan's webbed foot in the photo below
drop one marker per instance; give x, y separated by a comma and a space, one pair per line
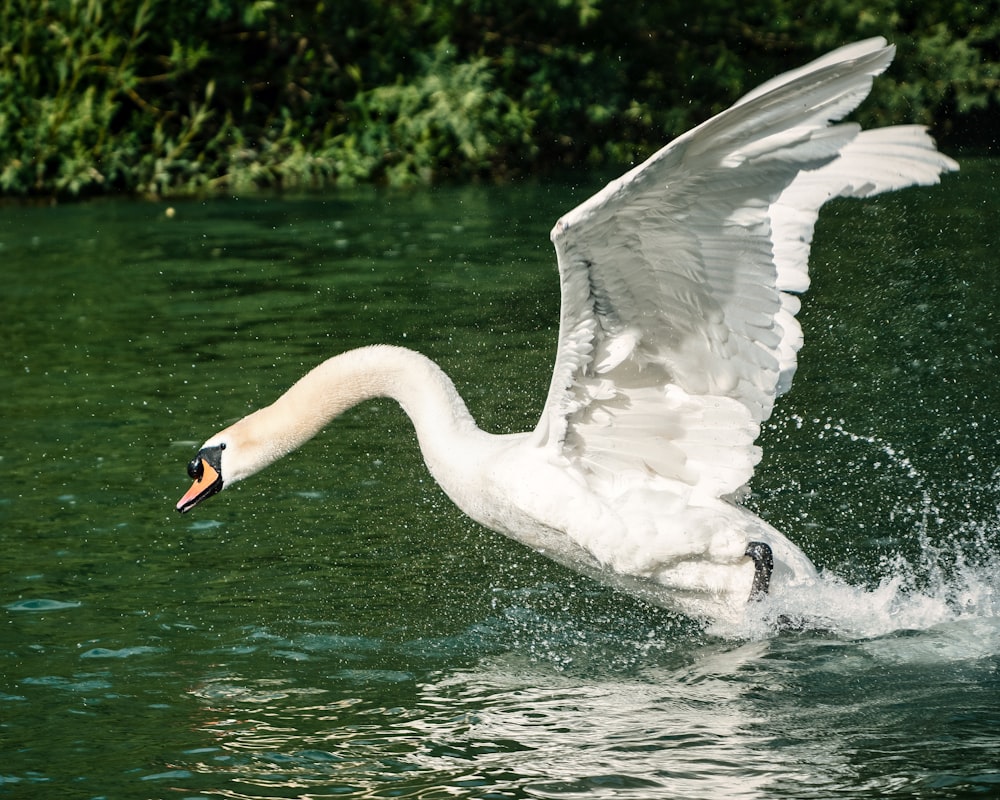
763, 562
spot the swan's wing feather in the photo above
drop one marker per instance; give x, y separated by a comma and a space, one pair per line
676, 325
876, 161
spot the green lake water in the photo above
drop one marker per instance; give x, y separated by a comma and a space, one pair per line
335, 628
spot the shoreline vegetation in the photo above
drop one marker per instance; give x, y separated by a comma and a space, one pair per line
164, 99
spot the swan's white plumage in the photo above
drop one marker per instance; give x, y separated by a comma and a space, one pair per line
677, 332
684, 269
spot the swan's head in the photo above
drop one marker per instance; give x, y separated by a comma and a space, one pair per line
241, 450
205, 470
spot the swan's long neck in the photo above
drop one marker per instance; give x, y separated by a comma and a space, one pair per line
422, 388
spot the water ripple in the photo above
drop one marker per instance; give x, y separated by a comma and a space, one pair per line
42, 604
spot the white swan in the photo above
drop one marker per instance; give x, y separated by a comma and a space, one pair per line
677, 332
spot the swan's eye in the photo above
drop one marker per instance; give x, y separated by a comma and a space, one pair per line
196, 469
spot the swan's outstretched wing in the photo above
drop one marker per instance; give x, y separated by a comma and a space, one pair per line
677, 328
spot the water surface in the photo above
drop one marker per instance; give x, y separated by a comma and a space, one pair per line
334, 627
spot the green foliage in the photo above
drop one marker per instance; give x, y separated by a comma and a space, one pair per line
158, 97
447, 117
72, 112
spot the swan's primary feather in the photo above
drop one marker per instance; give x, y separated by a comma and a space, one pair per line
678, 327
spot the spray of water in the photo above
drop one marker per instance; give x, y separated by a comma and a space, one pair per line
951, 576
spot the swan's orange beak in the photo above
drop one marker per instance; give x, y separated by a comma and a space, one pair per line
207, 480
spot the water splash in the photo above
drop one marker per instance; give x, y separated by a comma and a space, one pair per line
951, 573
910, 597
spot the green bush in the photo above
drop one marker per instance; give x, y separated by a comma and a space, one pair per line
159, 98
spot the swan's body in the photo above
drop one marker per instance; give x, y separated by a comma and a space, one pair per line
677, 333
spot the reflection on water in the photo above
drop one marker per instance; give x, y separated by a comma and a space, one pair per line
763, 719
688, 731
506, 726
335, 628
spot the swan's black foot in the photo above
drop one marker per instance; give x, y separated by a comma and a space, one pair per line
763, 562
